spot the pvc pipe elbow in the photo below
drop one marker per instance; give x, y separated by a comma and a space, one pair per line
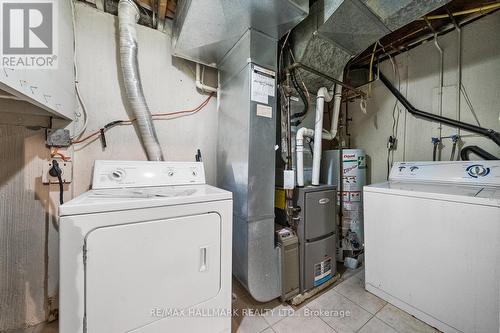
325, 94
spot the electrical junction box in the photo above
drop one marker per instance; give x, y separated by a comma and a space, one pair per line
66, 168
58, 138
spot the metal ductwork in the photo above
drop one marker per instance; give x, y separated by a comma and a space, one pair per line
128, 15
240, 38
337, 30
204, 31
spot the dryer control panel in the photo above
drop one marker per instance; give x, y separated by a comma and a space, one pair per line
466, 172
118, 174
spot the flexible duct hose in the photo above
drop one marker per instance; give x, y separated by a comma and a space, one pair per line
128, 15
464, 154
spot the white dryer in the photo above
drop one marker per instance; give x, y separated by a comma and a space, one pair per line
148, 249
432, 242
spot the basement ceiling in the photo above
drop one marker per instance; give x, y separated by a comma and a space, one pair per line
153, 12
438, 21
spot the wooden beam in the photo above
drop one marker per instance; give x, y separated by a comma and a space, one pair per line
172, 5
162, 9
148, 4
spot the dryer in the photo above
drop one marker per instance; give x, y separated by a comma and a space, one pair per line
148, 249
432, 243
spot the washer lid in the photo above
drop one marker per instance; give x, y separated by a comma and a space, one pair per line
485, 195
105, 200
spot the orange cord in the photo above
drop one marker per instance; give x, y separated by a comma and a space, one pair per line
56, 152
130, 121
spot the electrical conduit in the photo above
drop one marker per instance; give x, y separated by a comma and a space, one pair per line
128, 15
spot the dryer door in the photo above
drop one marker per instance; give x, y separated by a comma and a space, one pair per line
138, 273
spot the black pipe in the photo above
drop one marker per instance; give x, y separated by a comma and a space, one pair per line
489, 133
302, 96
464, 154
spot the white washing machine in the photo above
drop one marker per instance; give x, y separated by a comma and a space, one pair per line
432, 242
148, 249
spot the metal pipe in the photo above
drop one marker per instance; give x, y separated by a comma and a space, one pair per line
441, 74
325, 76
459, 65
128, 15
489, 133
289, 164
481, 9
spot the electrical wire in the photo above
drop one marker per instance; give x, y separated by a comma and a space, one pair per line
156, 116
81, 130
56, 152
396, 111
370, 73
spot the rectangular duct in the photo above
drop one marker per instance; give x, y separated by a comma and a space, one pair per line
205, 30
337, 30
246, 159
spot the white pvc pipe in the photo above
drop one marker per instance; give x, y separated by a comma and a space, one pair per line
299, 148
199, 84
322, 96
128, 15
337, 102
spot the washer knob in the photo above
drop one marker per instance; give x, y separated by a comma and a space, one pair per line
478, 170
117, 175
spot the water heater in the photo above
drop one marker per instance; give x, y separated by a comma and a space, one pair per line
348, 165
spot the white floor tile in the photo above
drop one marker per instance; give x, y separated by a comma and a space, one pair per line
361, 275
302, 323
376, 325
250, 324
354, 290
402, 321
339, 312
278, 313
268, 330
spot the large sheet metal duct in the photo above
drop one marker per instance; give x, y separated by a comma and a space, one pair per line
205, 30
240, 38
337, 30
246, 164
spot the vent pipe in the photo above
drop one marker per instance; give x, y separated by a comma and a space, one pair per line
128, 15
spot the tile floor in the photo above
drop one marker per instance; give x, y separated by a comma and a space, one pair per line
344, 307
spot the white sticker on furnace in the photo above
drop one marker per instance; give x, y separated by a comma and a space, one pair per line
264, 111
263, 84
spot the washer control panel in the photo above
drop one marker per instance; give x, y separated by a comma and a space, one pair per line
118, 174
468, 172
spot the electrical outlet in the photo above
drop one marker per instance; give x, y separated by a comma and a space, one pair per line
66, 168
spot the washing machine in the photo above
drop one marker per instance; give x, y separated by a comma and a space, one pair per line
432, 243
147, 249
